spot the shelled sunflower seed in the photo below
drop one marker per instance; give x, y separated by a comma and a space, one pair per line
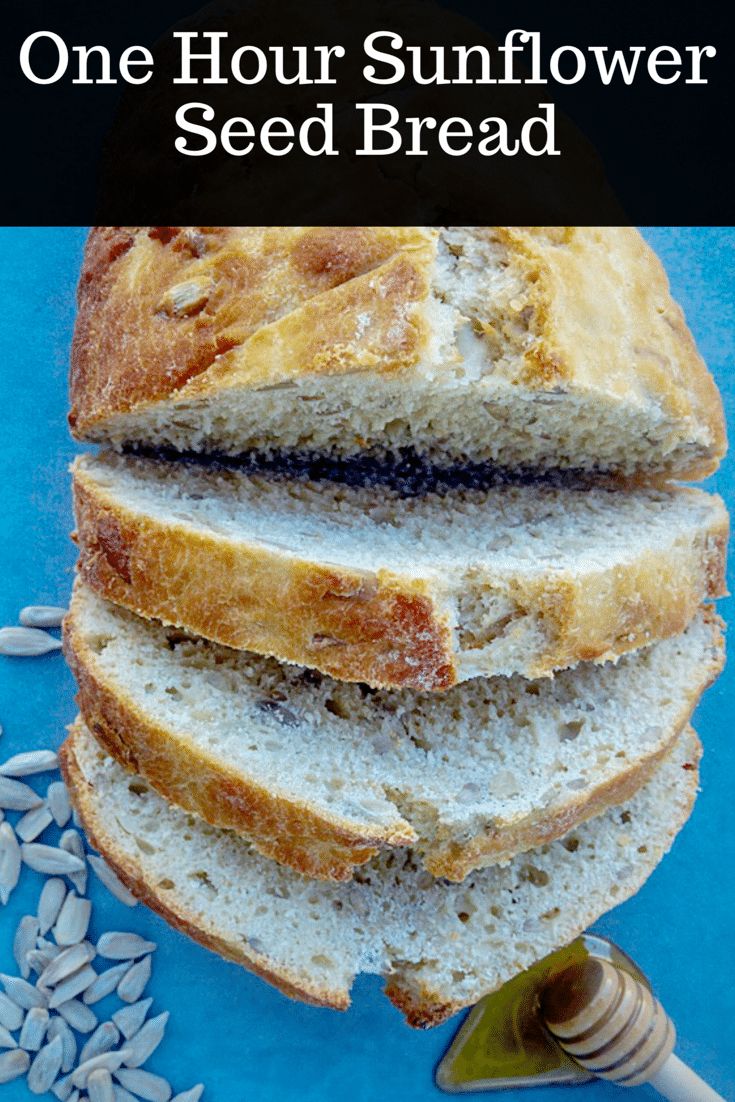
71, 842
24, 942
99, 1086
113, 884
106, 983
51, 899
17, 796
33, 761
49, 1014
26, 642
57, 799
144, 1043
33, 823
10, 861
192, 1095
123, 946
152, 1088
73, 922
45, 1067
129, 1019
7, 1040
59, 1028
11, 1015
134, 982
78, 1016
42, 616
13, 1064
65, 964
34, 1029
105, 1037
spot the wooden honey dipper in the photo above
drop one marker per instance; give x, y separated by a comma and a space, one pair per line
612, 1026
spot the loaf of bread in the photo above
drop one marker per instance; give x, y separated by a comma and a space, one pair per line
420, 592
323, 775
440, 945
543, 348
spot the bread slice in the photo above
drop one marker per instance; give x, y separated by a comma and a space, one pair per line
441, 946
421, 592
547, 347
321, 775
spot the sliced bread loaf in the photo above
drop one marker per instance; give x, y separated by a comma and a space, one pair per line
321, 775
442, 946
421, 592
547, 347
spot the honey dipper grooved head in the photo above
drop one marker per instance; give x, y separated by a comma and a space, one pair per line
608, 1022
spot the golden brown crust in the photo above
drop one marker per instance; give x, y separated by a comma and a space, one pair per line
606, 324
382, 628
282, 828
280, 302
100, 838
309, 839
272, 304
352, 626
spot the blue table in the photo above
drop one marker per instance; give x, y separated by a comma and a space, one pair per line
244, 1040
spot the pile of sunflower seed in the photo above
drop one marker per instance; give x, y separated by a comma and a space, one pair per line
49, 1030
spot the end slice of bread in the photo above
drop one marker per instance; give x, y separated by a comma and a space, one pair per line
441, 946
546, 347
421, 592
322, 775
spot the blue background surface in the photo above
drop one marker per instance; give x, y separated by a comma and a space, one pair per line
244, 1040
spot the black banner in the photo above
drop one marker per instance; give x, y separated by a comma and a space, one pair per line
347, 112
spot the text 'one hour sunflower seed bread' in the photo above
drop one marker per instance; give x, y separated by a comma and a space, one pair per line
442, 946
321, 775
418, 592
545, 348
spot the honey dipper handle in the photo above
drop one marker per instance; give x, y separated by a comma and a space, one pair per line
677, 1082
